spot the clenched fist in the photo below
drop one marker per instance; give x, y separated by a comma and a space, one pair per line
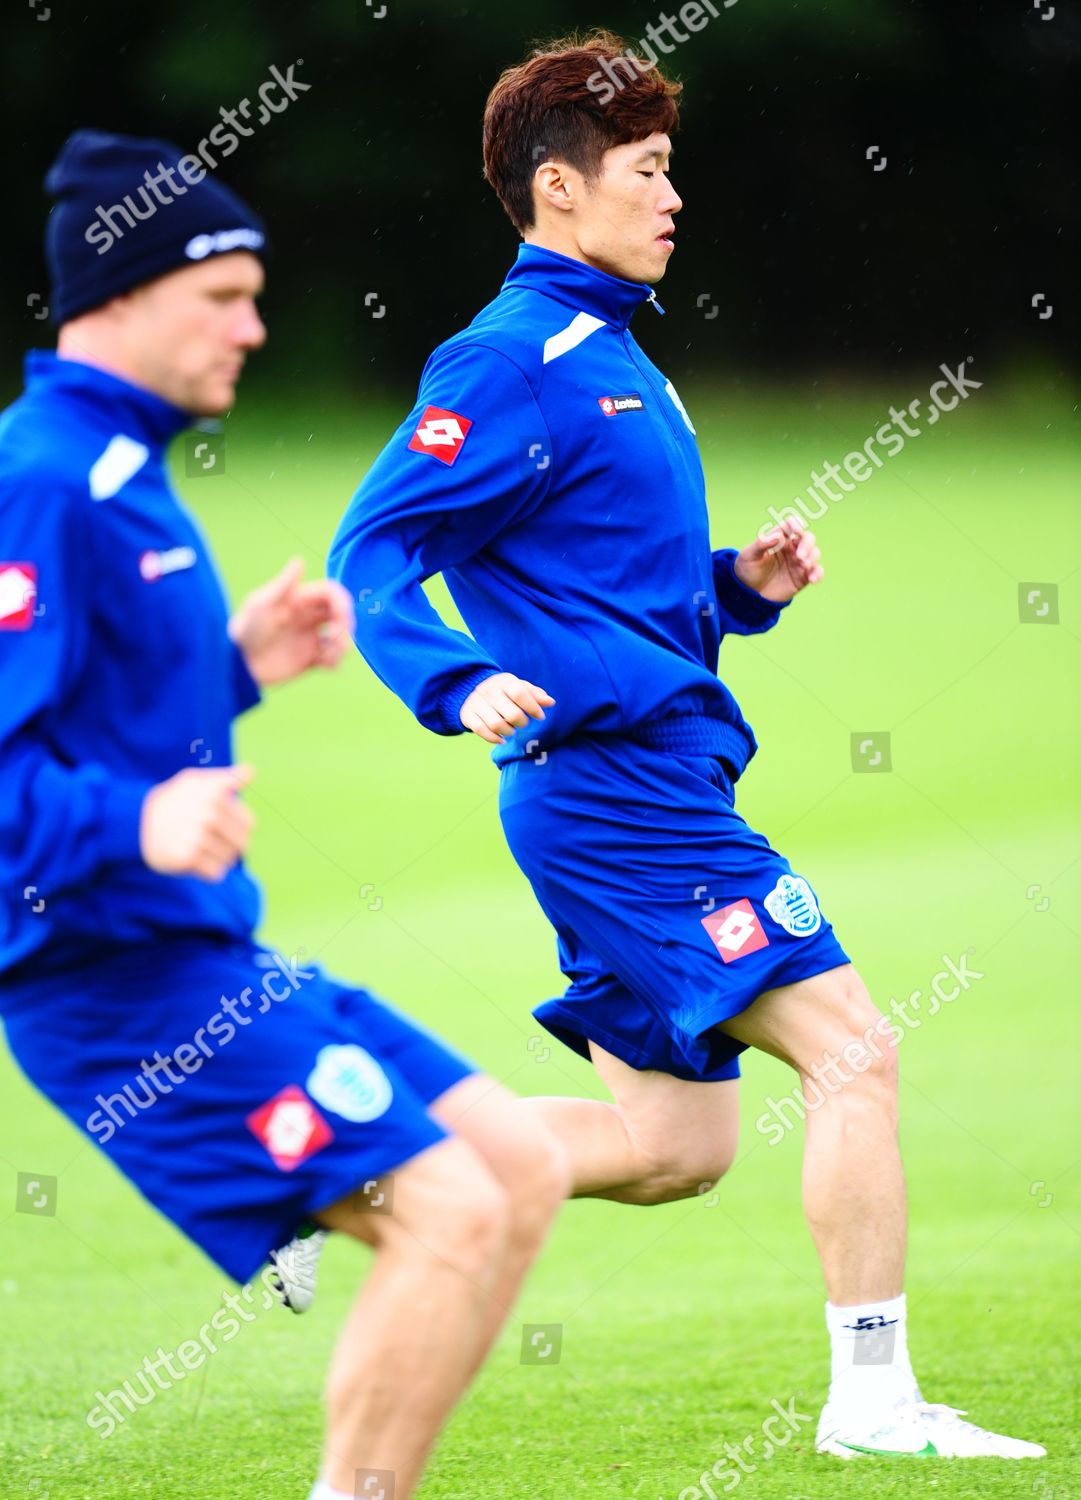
781, 563
196, 824
501, 704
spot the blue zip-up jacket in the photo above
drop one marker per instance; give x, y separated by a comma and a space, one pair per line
116, 670
551, 473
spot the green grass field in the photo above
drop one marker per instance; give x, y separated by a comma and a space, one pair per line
380, 851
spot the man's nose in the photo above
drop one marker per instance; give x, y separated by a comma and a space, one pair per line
672, 202
251, 333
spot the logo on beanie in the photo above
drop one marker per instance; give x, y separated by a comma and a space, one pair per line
221, 242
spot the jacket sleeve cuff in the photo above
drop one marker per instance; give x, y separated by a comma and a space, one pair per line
121, 812
246, 691
745, 606
449, 711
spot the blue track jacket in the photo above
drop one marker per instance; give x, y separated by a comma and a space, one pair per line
550, 471
116, 670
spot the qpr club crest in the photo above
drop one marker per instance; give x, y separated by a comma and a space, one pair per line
349, 1082
792, 905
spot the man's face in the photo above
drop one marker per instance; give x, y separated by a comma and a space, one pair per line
186, 335
624, 219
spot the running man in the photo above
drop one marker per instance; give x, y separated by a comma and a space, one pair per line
550, 472
244, 1095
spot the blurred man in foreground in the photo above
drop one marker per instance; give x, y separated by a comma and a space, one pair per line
244, 1094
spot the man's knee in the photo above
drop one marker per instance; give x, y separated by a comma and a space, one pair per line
469, 1229
689, 1173
447, 1209
538, 1183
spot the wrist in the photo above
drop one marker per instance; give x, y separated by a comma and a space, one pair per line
247, 683
740, 572
122, 819
454, 697
739, 597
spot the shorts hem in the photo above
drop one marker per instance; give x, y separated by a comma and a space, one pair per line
574, 1031
789, 972
326, 1190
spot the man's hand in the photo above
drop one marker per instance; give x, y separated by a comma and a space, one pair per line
287, 626
502, 704
781, 563
195, 824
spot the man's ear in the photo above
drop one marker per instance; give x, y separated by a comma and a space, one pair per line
556, 185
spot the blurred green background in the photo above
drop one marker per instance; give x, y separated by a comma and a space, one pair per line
381, 854
812, 254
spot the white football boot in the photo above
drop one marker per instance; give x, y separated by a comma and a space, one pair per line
915, 1429
953, 1438
848, 1432
296, 1267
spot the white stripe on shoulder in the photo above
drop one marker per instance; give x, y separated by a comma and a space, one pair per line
121, 461
579, 328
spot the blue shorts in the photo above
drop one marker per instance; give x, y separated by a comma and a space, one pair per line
671, 913
279, 1091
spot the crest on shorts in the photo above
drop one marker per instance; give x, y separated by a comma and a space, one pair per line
792, 905
349, 1082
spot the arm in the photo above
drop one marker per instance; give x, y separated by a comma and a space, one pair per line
59, 824
453, 476
246, 691
742, 610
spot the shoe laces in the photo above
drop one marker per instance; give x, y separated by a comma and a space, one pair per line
952, 1414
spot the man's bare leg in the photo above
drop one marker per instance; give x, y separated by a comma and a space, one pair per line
414, 1334
662, 1139
530, 1166
665, 1138
854, 1195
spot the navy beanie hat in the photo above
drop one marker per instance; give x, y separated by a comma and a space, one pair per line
129, 210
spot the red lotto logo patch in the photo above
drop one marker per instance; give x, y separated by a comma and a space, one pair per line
18, 593
735, 930
290, 1127
440, 433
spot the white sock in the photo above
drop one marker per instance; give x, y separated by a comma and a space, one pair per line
323, 1491
869, 1361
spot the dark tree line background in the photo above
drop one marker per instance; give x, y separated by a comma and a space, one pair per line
794, 254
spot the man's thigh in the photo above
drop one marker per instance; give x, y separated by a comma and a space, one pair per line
417, 1203
814, 1019
510, 1137
670, 1118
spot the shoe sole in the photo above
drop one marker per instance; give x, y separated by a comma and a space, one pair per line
854, 1450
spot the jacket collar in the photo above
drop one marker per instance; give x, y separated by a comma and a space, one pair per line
578, 285
138, 412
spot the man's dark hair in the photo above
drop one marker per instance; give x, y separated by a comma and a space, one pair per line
570, 101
